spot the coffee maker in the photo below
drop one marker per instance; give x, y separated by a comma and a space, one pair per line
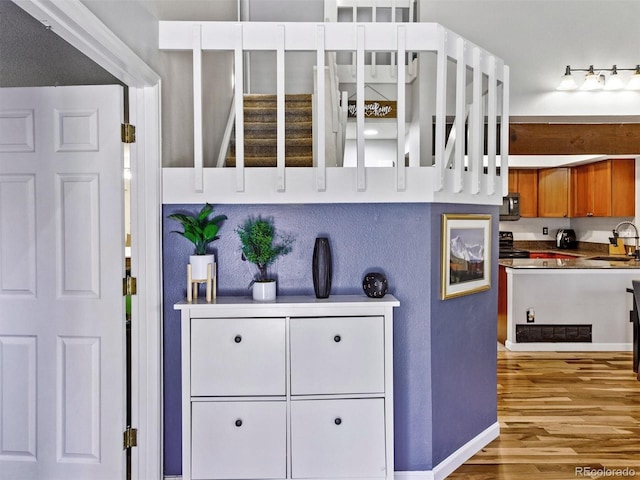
566, 238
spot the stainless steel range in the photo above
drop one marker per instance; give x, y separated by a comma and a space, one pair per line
506, 247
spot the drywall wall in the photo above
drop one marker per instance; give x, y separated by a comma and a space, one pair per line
444, 351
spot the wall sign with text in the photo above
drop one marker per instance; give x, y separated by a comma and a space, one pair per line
375, 109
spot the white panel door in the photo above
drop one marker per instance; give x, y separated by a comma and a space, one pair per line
62, 402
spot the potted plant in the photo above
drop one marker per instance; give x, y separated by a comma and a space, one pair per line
260, 247
201, 230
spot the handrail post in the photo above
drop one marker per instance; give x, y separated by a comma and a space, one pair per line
360, 170
504, 132
441, 98
239, 101
476, 124
280, 110
458, 162
491, 127
321, 100
400, 116
198, 164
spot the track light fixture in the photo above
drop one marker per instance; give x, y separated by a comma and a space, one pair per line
595, 79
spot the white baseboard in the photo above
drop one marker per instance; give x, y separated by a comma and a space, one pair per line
456, 459
448, 465
426, 475
465, 452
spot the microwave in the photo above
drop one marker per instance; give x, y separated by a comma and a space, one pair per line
510, 209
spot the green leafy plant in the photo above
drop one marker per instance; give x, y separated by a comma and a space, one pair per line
259, 245
200, 229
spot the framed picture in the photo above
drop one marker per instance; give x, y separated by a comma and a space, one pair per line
466, 255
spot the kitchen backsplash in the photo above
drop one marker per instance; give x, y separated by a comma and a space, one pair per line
593, 230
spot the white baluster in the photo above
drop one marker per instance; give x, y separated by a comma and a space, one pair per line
198, 164
280, 110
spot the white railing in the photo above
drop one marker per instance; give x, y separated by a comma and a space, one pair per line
374, 11
480, 85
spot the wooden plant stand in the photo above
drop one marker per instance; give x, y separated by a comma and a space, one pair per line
193, 283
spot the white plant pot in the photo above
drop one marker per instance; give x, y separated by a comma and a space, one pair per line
199, 265
264, 291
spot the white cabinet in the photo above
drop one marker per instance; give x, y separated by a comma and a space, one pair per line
238, 440
297, 388
337, 355
338, 438
237, 356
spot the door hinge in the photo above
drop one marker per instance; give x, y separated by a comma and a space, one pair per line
130, 438
129, 286
128, 132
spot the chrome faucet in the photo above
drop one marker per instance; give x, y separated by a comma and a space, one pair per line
614, 239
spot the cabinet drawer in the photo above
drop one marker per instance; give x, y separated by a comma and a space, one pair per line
338, 438
337, 355
237, 356
238, 440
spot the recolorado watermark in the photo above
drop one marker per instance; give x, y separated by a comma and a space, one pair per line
604, 472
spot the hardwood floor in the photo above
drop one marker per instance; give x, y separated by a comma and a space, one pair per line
562, 416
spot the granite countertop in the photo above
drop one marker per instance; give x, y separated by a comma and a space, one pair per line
583, 262
584, 257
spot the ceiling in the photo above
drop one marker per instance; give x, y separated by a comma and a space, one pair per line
33, 56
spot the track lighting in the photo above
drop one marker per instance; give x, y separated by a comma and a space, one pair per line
595, 79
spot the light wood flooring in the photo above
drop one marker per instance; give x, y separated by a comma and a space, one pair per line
562, 416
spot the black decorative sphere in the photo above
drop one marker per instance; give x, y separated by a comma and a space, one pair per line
375, 285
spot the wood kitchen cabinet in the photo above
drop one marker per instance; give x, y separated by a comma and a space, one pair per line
603, 189
292, 389
553, 192
525, 182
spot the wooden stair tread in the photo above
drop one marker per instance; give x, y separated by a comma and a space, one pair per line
271, 161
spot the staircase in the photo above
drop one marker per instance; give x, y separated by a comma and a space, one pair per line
260, 142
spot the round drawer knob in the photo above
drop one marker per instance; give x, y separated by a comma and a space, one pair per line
238, 339
337, 338
337, 421
238, 423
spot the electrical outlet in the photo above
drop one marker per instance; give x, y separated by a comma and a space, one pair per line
531, 315
545, 230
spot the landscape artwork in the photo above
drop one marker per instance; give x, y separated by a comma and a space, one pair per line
466, 254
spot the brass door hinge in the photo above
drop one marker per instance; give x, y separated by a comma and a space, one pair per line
128, 133
129, 286
130, 438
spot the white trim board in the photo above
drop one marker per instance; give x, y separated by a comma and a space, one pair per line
456, 459
76, 24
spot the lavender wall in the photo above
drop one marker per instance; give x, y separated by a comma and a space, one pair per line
444, 351
463, 354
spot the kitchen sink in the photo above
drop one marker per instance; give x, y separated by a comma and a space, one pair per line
613, 258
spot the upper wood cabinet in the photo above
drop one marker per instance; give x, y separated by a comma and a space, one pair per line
553, 192
525, 182
603, 189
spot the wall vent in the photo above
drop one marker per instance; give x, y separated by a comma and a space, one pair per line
553, 333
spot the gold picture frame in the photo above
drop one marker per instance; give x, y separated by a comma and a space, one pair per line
465, 254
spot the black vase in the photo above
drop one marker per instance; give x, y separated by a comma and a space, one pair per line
322, 267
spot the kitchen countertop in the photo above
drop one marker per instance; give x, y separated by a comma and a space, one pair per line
584, 262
